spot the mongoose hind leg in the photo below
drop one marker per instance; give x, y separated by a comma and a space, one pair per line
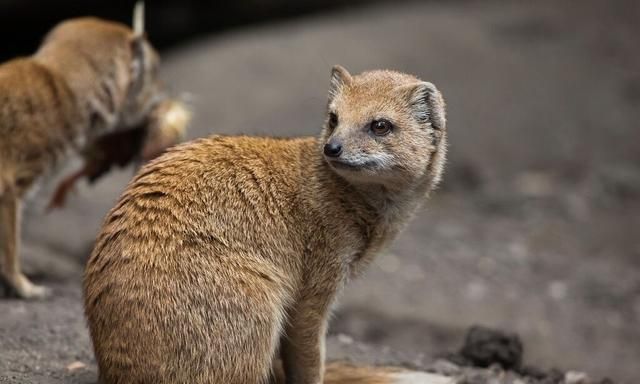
244, 328
201, 327
10, 270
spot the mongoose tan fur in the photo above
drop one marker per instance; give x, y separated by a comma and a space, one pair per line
228, 251
90, 78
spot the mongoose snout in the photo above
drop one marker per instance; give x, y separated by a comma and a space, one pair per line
333, 148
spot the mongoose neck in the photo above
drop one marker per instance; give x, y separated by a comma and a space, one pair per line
379, 202
99, 87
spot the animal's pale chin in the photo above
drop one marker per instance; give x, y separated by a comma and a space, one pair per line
350, 165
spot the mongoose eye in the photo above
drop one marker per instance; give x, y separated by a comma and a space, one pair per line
333, 120
381, 127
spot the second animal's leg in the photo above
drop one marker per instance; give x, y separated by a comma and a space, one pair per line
303, 347
10, 250
66, 185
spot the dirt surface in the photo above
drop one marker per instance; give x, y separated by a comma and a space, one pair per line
535, 230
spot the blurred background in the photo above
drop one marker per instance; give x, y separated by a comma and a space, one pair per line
536, 228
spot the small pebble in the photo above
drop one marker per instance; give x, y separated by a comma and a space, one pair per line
573, 377
345, 339
445, 367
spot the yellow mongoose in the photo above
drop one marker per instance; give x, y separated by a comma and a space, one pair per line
225, 250
89, 79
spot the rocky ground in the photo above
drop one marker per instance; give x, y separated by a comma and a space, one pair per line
535, 229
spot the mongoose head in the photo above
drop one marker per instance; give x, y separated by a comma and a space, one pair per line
384, 127
120, 74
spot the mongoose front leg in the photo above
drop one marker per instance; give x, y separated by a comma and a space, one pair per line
303, 346
9, 249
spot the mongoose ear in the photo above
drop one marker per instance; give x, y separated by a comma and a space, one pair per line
339, 78
427, 103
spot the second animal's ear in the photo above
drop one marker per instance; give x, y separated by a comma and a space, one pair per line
138, 19
139, 60
427, 103
339, 78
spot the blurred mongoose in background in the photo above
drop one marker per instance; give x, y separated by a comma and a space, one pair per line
164, 126
228, 251
90, 79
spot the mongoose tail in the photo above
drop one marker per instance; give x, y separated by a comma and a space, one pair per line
338, 372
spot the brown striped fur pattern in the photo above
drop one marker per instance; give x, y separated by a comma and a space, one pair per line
89, 78
228, 251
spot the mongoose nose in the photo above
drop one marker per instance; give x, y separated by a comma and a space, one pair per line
332, 149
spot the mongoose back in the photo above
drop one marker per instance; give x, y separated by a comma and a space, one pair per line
226, 251
89, 78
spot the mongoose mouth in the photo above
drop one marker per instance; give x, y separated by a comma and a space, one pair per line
350, 165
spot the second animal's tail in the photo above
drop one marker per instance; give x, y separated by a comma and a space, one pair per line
167, 127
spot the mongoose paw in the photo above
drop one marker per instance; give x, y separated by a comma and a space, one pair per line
23, 288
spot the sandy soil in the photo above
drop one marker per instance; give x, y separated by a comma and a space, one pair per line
535, 230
